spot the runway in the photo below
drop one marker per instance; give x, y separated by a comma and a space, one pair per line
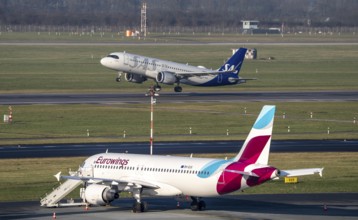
143, 43
166, 148
242, 206
125, 98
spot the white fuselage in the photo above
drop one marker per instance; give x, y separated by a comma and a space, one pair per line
150, 67
173, 175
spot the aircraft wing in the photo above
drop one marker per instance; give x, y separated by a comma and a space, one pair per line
301, 172
137, 182
182, 75
242, 80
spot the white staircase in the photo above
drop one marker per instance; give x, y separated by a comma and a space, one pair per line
53, 199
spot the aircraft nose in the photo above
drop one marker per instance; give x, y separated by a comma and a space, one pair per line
104, 61
110, 62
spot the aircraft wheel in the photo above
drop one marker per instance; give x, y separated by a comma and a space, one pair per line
194, 206
178, 89
201, 206
144, 206
118, 79
137, 207
157, 88
198, 206
140, 207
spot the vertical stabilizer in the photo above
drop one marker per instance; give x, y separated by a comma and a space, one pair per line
235, 62
256, 148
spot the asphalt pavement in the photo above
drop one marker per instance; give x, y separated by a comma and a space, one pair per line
165, 97
164, 148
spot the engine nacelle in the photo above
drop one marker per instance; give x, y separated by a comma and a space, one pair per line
96, 194
134, 78
166, 78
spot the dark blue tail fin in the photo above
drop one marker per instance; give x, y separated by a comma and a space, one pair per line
235, 62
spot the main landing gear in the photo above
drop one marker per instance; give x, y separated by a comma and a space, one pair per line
138, 205
157, 88
178, 89
197, 204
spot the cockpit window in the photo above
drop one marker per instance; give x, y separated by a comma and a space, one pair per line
113, 56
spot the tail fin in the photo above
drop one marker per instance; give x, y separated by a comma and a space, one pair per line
256, 148
235, 62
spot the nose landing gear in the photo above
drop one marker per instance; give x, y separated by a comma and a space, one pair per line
118, 78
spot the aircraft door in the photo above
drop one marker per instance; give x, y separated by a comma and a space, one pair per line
86, 170
127, 66
125, 59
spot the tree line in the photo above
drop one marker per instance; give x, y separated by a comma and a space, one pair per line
188, 13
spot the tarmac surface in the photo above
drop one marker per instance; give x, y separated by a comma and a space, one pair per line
242, 206
69, 43
125, 98
165, 148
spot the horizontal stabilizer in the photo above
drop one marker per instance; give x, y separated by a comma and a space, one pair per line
301, 172
245, 79
58, 176
241, 172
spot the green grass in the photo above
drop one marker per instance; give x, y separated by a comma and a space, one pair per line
67, 69
30, 179
167, 37
71, 69
69, 123
76, 69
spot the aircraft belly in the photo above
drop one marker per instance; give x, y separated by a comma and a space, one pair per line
195, 186
151, 74
202, 187
196, 80
182, 184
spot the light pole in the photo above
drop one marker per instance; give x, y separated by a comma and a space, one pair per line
151, 92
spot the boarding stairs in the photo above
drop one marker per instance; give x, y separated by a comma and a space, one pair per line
53, 199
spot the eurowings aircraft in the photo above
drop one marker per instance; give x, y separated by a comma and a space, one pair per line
138, 69
108, 174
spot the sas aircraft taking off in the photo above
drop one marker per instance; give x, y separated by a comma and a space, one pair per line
108, 174
138, 69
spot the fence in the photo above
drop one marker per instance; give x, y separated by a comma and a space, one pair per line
166, 29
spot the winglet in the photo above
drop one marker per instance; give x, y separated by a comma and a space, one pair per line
58, 176
321, 172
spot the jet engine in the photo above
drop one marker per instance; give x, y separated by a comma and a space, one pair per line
96, 194
166, 78
134, 78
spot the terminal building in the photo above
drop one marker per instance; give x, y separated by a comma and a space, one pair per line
252, 27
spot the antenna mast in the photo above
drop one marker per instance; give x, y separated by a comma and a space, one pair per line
143, 19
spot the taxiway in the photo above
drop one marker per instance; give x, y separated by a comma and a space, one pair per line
242, 206
125, 98
165, 148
